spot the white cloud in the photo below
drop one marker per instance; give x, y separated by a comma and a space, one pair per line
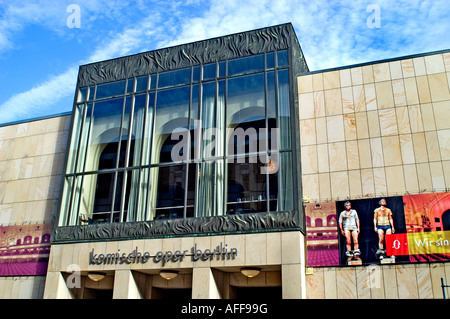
44, 96
331, 34
41, 96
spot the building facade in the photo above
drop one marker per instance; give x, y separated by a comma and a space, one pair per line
218, 169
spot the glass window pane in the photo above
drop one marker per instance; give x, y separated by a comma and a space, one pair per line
130, 210
148, 130
130, 85
284, 109
222, 69
144, 208
195, 74
77, 123
125, 132
172, 115
245, 113
110, 89
246, 187
153, 82
137, 130
82, 95
171, 181
270, 60
91, 93
286, 194
141, 84
122, 210
103, 187
246, 65
174, 78
208, 120
78, 210
66, 200
271, 112
190, 194
84, 139
210, 188
105, 135
282, 58
209, 71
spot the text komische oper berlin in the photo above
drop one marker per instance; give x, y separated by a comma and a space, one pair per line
136, 256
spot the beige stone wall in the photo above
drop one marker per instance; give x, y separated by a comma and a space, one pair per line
26, 287
414, 281
281, 257
376, 130
31, 166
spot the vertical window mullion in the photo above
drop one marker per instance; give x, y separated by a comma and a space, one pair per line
75, 165
277, 125
266, 137
225, 145
127, 157
85, 154
113, 197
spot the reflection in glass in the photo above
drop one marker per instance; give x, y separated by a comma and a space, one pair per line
284, 109
82, 94
137, 129
170, 191
270, 60
106, 123
110, 89
174, 78
147, 132
246, 188
245, 113
84, 138
209, 71
120, 163
172, 113
246, 65
141, 84
286, 196
130, 85
77, 125
91, 93
282, 58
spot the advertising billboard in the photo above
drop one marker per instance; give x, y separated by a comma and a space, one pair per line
389, 230
24, 249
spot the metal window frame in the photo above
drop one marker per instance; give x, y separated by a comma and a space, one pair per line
269, 39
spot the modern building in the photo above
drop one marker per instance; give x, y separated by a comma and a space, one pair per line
219, 169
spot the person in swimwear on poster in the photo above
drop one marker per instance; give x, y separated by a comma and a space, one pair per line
383, 224
349, 226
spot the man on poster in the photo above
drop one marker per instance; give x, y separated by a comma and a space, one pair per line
383, 224
349, 226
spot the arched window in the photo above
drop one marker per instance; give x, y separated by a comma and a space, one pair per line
446, 220
27, 240
45, 238
318, 222
236, 112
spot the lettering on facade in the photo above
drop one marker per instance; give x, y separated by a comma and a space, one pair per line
136, 256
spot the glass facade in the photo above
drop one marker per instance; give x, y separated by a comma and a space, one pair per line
207, 140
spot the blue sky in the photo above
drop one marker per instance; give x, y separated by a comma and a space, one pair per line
40, 53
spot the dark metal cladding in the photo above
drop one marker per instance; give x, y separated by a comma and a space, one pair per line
227, 47
178, 227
